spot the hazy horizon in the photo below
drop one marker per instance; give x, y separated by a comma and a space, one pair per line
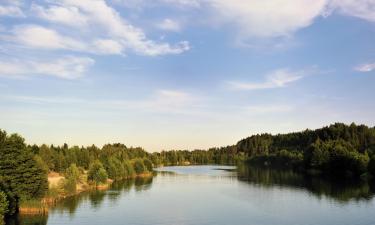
183, 74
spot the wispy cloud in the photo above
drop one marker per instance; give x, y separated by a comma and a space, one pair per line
106, 31
36, 36
366, 67
169, 25
11, 8
276, 79
262, 109
364, 9
69, 67
259, 19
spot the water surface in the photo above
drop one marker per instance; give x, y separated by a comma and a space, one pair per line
215, 195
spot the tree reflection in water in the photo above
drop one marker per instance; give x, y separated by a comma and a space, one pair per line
340, 190
94, 198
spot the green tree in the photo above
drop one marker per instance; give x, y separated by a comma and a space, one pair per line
371, 166
72, 175
148, 164
139, 167
97, 173
128, 169
4, 205
18, 168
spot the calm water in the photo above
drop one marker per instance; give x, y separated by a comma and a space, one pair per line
214, 195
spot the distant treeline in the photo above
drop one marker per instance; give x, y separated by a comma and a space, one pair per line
337, 149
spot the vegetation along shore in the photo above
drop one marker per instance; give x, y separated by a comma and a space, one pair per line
33, 177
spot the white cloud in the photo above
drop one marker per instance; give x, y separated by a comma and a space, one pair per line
259, 18
268, 19
66, 15
70, 67
276, 79
367, 67
364, 9
169, 25
108, 46
40, 37
11, 10
104, 23
138, 4
167, 101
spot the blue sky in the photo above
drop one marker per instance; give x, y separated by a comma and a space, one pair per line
183, 74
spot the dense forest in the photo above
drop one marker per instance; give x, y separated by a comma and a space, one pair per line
338, 149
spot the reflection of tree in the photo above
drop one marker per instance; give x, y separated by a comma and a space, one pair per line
143, 183
340, 191
96, 198
28, 220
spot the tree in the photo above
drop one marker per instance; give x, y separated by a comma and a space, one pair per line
148, 164
72, 176
139, 167
4, 204
19, 170
115, 169
371, 166
97, 173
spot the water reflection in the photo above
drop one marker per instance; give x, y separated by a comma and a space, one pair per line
28, 220
94, 198
341, 191
215, 195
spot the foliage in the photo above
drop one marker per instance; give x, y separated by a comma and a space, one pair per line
72, 175
19, 170
148, 164
139, 167
336, 157
4, 204
97, 173
371, 165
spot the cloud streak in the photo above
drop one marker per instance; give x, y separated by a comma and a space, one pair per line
366, 67
69, 67
276, 79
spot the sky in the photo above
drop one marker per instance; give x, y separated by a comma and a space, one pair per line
183, 74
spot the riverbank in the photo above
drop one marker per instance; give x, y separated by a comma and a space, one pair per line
57, 193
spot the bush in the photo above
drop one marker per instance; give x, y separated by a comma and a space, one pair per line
115, 169
139, 167
97, 173
148, 164
72, 175
336, 157
128, 169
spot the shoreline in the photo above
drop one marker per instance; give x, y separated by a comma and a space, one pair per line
41, 207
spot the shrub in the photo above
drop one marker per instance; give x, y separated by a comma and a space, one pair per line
139, 167
128, 169
97, 173
148, 164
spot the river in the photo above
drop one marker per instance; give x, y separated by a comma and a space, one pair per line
218, 195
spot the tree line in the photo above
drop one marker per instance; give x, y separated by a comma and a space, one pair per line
24, 168
336, 149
